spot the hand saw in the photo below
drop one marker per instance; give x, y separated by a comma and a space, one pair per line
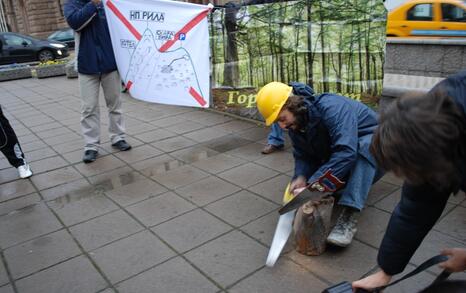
325, 185
320, 188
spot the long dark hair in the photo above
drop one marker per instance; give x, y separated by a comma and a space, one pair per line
422, 138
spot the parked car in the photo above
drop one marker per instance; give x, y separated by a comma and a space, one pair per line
428, 18
17, 48
65, 35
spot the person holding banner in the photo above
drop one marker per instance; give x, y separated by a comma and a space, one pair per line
96, 67
328, 132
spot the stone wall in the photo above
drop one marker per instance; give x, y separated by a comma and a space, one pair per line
414, 66
425, 57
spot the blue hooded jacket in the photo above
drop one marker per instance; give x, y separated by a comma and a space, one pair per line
95, 52
338, 129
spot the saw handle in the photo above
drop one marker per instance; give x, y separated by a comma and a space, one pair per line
322, 184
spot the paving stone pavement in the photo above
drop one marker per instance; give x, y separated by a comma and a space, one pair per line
191, 208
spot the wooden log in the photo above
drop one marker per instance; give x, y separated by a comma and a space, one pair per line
312, 225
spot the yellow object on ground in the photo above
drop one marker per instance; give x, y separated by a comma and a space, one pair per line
271, 99
287, 196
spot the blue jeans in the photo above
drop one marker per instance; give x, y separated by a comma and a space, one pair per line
360, 181
276, 136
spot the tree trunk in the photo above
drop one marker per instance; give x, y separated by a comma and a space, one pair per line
368, 60
312, 225
361, 76
376, 88
322, 46
231, 68
250, 64
212, 49
261, 57
295, 57
349, 66
310, 57
271, 46
281, 61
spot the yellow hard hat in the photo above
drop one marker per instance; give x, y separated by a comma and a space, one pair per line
271, 99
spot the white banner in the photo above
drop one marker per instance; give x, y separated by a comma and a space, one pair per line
162, 49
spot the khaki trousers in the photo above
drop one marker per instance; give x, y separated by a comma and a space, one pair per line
90, 112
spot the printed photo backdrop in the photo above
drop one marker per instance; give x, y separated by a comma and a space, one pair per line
333, 45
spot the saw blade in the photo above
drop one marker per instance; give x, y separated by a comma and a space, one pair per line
282, 231
300, 199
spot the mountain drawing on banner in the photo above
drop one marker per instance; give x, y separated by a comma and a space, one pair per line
162, 50
156, 71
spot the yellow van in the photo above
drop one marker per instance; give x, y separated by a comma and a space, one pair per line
428, 18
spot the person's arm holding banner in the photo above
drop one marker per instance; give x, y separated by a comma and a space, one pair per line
78, 17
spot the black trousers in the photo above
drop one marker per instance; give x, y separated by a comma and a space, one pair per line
9, 144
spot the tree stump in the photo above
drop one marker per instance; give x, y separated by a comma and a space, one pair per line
312, 225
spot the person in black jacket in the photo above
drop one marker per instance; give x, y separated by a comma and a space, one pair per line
423, 140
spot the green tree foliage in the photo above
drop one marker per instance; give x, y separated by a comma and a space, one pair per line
333, 45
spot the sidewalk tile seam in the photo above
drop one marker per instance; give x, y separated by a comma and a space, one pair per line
81, 248
15, 198
384, 197
446, 234
7, 270
23, 207
30, 239
145, 270
50, 266
163, 241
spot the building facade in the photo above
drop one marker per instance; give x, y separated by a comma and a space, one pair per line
39, 18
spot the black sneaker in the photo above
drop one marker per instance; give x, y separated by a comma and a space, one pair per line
122, 145
89, 156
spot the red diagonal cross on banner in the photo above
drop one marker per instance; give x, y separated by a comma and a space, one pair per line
121, 17
190, 25
185, 29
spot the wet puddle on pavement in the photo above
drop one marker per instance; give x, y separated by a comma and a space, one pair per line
226, 143
100, 186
